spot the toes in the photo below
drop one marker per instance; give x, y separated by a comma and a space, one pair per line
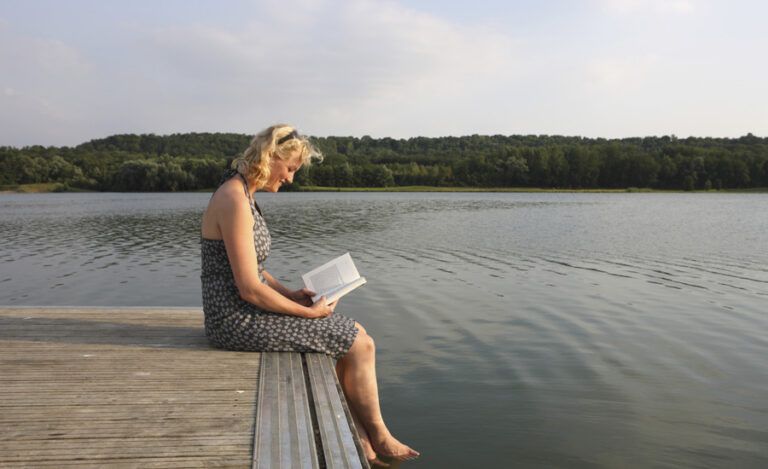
407, 455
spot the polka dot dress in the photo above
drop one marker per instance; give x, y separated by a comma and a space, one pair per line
234, 324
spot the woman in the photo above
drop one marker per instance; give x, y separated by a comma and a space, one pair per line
247, 309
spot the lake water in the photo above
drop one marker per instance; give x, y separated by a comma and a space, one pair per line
513, 330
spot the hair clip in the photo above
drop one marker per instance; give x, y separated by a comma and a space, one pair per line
290, 136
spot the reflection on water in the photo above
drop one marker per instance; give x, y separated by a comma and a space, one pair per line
98, 249
514, 330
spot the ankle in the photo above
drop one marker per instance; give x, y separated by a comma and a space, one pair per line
377, 431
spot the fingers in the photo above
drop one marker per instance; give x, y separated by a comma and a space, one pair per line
327, 307
322, 309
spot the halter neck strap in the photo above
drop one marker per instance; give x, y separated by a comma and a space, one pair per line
245, 186
248, 194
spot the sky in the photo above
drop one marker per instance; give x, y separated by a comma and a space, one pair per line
76, 70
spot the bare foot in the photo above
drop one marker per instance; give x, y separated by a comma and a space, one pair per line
391, 448
370, 454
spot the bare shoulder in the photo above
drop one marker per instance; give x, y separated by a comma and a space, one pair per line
227, 204
229, 196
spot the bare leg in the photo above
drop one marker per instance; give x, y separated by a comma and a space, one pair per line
358, 379
365, 440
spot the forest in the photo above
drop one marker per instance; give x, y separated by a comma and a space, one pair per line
195, 161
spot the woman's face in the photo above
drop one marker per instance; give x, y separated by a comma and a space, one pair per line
282, 171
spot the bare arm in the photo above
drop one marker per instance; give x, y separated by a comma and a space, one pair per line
235, 222
303, 296
279, 287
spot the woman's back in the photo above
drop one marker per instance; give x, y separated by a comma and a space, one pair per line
231, 191
222, 302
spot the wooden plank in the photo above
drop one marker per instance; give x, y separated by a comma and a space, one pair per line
137, 387
298, 413
137, 463
51, 429
121, 388
336, 429
283, 437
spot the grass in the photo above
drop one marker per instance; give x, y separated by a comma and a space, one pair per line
33, 188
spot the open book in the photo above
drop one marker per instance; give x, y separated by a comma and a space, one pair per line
333, 279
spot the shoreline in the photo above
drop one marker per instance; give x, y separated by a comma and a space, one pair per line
56, 187
515, 189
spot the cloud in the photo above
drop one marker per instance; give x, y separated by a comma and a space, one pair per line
43, 82
651, 6
330, 66
620, 74
381, 68
341, 65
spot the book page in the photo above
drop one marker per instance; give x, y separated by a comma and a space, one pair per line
332, 277
326, 279
337, 293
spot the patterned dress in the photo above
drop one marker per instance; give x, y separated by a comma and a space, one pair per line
234, 324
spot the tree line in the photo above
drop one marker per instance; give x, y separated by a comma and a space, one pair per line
195, 161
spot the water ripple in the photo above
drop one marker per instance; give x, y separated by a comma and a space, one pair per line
599, 330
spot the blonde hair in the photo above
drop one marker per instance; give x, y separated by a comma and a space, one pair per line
254, 163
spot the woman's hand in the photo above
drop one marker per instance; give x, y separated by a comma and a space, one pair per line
302, 297
322, 310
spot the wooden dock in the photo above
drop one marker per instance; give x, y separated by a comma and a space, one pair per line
130, 387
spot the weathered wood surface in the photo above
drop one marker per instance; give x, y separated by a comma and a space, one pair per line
302, 419
340, 444
138, 387
121, 388
284, 436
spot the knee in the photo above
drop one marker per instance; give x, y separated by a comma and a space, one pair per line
369, 343
364, 342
